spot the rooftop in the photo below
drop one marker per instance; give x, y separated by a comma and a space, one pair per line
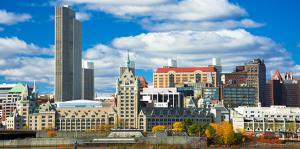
79, 103
18, 88
186, 69
159, 90
174, 112
4, 85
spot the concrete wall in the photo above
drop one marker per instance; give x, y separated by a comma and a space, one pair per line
62, 134
37, 142
197, 141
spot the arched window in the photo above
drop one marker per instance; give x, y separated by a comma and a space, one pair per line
171, 80
198, 77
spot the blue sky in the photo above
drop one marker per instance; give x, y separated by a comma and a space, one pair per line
190, 31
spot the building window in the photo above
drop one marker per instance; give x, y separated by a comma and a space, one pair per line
198, 77
171, 80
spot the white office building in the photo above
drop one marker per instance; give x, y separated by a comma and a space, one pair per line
162, 97
278, 119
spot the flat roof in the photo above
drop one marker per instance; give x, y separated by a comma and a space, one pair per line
186, 69
79, 103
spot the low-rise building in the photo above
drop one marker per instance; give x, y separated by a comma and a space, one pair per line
216, 108
24, 109
278, 119
238, 96
14, 121
4, 89
176, 77
149, 117
162, 97
20, 102
43, 118
85, 118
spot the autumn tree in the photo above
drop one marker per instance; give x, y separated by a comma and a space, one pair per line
210, 132
104, 128
51, 133
158, 128
178, 127
223, 133
228, 133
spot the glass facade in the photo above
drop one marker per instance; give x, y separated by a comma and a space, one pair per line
239, 96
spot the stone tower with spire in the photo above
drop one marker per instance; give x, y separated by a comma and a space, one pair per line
129, 64
127, 93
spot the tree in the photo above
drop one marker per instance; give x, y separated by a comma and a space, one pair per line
223, 133
228, 133
218, 138
104, 128
210, 132
187, 123
197, 128
26, 127
239, 138
51, 133
178, 127
158, 128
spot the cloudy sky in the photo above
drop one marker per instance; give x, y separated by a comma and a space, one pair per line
190, 31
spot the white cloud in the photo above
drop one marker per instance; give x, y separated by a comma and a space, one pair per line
106, 64
83, 16
185, 10
22, 61
28, 69
200, 26
167, 15
190, 48
297, 71
196, 48
149, 51
13, 46
9, 18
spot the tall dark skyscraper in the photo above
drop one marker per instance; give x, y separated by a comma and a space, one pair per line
67, 55
88, 81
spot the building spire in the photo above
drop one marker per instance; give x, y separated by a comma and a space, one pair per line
34, 87
129, 63
128, 60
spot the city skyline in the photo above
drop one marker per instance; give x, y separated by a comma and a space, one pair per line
151, 36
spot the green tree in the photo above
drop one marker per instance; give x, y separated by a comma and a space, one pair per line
197, 128
187, 123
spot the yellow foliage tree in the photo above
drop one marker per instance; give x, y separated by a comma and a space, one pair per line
104, 128
217, 128
224, 133
178, 127
51, 133
228, 133
158, 128
207, 133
